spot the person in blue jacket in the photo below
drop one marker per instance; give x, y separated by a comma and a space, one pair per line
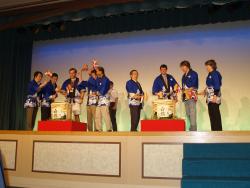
92, 100
102, 109
73, 94
190, 84
49, 94
81, 89
135, 98
165, 86
213, 93
33, 99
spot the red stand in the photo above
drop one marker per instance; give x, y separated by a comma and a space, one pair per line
163, 125
55, 125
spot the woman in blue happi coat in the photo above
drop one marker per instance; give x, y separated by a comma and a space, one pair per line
213, 93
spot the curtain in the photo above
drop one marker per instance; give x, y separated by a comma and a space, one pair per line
15, 70
159, 18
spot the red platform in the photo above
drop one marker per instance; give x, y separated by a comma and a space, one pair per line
163, 125
54, 125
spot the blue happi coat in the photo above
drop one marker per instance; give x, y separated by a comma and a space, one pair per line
47, 92
33, 95
103, 85
190, 80
82, 87
73, 95
214, 83
168, 89
132, 88
92, 88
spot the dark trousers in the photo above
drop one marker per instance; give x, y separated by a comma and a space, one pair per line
135, 112
31, 117
112, 113
45, 113
215, 117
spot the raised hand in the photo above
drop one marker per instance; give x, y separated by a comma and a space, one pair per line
48, 73
145, 97
58, 90
160, 94
94, 63
53, 97
214, 100
84, 67
202, 92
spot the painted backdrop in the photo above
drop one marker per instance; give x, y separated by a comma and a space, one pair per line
228, 44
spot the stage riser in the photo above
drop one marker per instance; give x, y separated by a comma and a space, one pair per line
216, 166
217, 151
212, 183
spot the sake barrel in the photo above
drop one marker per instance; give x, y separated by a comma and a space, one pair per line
60, 111
164, 108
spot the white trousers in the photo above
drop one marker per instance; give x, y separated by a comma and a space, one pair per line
102, 112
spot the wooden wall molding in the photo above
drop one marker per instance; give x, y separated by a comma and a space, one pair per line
16, 142
76, 142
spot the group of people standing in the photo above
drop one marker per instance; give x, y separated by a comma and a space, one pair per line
102, 98
166, 87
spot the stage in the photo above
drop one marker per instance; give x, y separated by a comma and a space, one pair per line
106, 159
161, 67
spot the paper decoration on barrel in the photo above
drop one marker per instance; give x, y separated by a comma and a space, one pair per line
164, 109
61, 111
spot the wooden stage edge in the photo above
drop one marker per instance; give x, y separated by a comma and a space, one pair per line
127, 133
175, 137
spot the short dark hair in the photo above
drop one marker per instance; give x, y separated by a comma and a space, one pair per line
73, 69
211, 63
37, 73
93, 71
131, 72
186, 64
54, 74
164, 66
111, 83
101, 69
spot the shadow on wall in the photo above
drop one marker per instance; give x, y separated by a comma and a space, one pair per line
201, 113
243, 118
123, 110
228, 112
225, 114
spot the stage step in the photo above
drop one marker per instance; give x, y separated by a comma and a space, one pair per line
216, 168
217, 151
213, 182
